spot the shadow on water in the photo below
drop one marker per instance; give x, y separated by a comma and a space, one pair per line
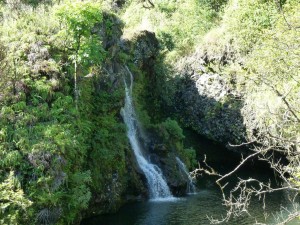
191, 210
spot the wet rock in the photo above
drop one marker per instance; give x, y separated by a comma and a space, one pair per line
165, 157
175, 179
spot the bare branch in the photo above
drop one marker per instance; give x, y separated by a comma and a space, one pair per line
243, 144
210, 171
240, 164
290, 218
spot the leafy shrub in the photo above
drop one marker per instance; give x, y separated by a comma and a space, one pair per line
43, 135
170, 130
14, 206
216, 5
178, 24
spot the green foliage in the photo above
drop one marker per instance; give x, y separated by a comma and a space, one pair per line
151, 116
260, 40
79, 194
78, 19
108, 141
189, 155
14, 206
64, 154
242, 27
273, 67
178, 24
44, 136
172, 135
170, 130
166, 41
246, 22
216, 5
85, 49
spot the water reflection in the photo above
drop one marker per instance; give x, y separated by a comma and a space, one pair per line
156, 213
192, 210
195, 209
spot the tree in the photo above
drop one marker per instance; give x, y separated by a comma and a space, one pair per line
271, 81
78, 20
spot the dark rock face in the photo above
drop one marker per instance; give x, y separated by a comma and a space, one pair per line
119, 3
110, 31
176, 180
144, 47
206, 102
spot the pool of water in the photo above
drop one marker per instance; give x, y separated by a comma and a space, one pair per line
207, 203
192, 210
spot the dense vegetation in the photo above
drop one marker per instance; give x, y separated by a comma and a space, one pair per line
47, 130
62, 140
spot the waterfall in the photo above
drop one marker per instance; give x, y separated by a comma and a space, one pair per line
157, 185
191, 189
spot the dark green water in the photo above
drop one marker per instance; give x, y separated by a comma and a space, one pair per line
195, 209
191, 210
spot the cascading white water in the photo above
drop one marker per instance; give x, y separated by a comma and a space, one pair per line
191, 189
157, 185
